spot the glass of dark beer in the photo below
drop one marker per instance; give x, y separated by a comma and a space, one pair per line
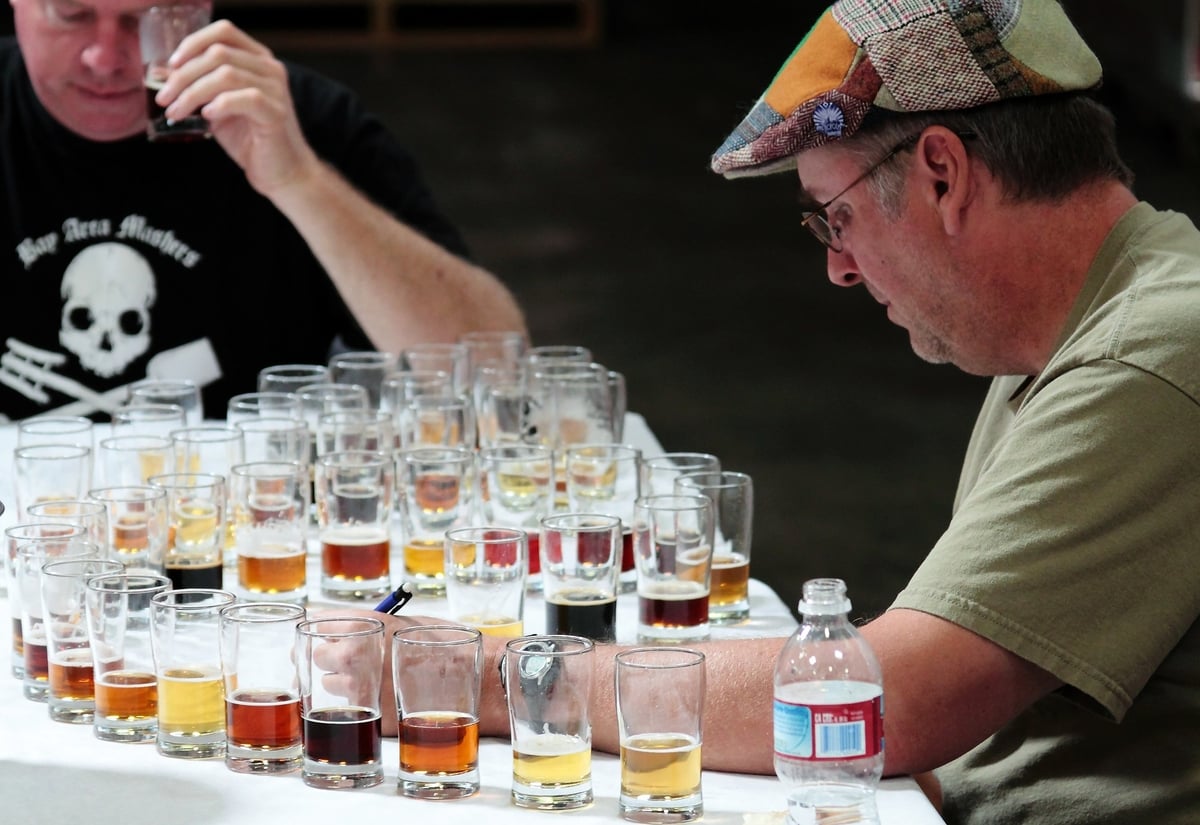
673, 546
581, 569
160, 31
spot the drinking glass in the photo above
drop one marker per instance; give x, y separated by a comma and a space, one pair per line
185, 636
438, 421
196, 528
557, 352
118, 614
517, 490
317, 400
148, 419
268, 504
581, 569
548, 683
183, 392
570, 402
606, 478
485, 578
437, 671
91, 515
208, 449
139, 526
354, 511
660, 714
291, 377
248, 406
126, 460
436, 493
56, 429
673, 545
496, 347
339, 432
262, 691
50, 472
732, 496
160, 31
71, 697
659, 472
502, 406
366, 369
275, 439
340, 661
449, 358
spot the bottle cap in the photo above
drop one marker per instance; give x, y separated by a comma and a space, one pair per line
824, 597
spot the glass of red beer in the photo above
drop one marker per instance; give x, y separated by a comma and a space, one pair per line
673, 546
354, 512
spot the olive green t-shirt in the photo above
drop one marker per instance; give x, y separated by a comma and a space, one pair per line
1075, 543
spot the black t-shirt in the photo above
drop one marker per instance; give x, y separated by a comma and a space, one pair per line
131, 259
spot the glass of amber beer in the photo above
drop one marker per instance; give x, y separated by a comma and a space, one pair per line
437, 671
138, 526
436, 493
118, 614
548, 682
340, 662
660, 710
269, 510
72, 697
732, 495
354, 513
673, 543
186, 639
262, 690
485, 578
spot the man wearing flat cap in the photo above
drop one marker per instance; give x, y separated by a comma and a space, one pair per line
1045, 657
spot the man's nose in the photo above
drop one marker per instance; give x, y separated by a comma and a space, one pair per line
113, 49
842, 268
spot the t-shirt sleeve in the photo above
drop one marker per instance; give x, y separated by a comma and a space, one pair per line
1076, 547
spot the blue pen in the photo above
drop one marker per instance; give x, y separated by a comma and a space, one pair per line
395, 600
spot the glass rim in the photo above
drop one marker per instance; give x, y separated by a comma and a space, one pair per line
730, 479
159, 441
128, 492
82, 424
72, 451
176, 481
38, 506
160, 583
260, 611
580, 645
514, 534
75, 531
218, 599
626, 451
368, 627
469, 635
688, 657
605, 522
78, 560
281, 469
665, 502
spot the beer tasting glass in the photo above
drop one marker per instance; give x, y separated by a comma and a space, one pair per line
354, 511
606, 478
29, 546
581, 569
126, 460
183, 392
339, 432
732, 495
196, 528
50, 472
269, 510
548, 683
673, 545
71, 697
118, 615
494, 347
208, 449
148, 419
502, 407
659, 472
366, 369
85, 513
516, 490
139, 527
160, 31
291, 377
557, 352
262, 689
248, 406
438, 421
570, 402
399, 388
448, 358
185, 636
436, 493
485, 578
340, 661
437, 671
660, 710
56, 429
275, 439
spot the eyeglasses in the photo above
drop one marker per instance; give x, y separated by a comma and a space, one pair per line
816, 220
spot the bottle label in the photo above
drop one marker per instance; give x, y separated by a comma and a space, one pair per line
819, 732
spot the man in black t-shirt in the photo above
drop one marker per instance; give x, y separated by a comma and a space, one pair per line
301, 226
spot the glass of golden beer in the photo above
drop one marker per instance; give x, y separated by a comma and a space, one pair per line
340, 663
436, 493
262, 688
269, 510
437, 671
660, 710
485, 578
548, 682
354, 513
138, 526
673, 542
186, 639
732, 495
118, 614
71, 697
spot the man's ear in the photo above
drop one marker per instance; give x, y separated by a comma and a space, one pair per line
944, 170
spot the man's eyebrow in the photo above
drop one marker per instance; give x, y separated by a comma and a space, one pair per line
804, 197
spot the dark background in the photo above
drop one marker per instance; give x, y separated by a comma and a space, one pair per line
580, 176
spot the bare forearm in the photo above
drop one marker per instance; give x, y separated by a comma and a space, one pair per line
403, 288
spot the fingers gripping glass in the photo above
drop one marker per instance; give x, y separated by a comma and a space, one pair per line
816, 220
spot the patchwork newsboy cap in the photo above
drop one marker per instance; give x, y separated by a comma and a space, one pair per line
867, 57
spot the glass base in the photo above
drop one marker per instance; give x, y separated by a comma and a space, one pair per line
728, 614
199, 746
561, 799
426, 585
652, 635
361, 590
442, 787
71, 712
339, 777
107, 730
264, 760
653, 813
37, 691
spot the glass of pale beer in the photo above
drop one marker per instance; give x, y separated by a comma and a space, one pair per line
548, 682
485, 578
660, 711
437, 671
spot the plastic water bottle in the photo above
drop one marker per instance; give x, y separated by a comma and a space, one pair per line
828, 713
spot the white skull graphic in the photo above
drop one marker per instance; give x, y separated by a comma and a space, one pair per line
108, 290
